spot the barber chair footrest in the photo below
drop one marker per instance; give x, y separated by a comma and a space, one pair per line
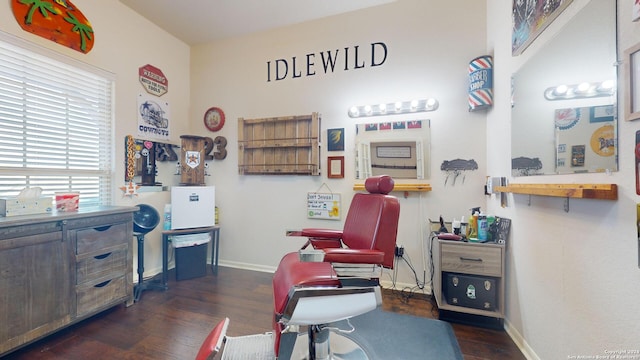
259, 346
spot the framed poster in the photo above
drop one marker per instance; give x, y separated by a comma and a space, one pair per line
530, 18
335, 139
335, 164
632, 83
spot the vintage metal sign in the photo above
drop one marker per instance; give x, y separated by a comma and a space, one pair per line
153, 80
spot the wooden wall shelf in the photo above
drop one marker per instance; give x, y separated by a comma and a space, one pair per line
401, 187
579, 191
287, 145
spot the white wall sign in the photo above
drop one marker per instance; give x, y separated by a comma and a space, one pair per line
153, 118
323, 206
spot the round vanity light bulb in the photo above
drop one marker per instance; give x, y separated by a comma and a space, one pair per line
367, 109
583, 87
561, 89
354, 112
431, 102
606, 85
398, 106
414, 104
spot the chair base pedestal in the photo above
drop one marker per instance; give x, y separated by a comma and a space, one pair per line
326, 344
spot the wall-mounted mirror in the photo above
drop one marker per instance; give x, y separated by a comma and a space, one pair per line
568, 134
399, 149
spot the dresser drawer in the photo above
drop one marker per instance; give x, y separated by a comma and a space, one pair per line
112, 263
100, 237
474, 259
91, 297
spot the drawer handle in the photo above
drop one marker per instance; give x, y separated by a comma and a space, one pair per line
102, 284
103, 256
102, 228
462, 258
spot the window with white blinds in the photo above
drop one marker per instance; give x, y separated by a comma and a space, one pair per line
55, 126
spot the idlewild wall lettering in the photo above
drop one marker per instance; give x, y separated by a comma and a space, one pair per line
328, 61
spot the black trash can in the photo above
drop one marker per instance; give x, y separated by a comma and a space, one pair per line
191, 260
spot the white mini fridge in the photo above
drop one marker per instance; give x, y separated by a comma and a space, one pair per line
192, 206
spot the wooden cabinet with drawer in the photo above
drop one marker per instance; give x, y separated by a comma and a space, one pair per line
57, 269
102, 262
483, 263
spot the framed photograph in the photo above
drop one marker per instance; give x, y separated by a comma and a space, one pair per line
335, 164
635, 11
632, 83
530, 18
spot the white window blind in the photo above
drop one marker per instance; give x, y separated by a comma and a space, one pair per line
55, 126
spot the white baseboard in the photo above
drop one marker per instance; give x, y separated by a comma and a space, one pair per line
247, 266
520, 342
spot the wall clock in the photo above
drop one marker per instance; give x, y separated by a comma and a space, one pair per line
214, 119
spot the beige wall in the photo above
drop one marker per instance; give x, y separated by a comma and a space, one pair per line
573, 278
427, 57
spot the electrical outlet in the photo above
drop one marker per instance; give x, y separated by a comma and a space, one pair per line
399, 251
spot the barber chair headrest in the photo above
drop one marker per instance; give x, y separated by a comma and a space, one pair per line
381, 184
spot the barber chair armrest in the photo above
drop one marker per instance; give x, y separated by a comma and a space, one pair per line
319, 238
353, 256
317, 233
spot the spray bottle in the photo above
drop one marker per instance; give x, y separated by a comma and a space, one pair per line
482, 228
167, 217
473, 224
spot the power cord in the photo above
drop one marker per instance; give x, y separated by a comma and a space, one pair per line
406, 293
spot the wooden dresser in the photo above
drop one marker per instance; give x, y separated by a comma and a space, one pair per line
57, 269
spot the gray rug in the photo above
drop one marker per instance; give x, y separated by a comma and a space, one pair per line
385, 335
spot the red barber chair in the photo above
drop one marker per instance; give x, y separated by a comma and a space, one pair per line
334, 279
337, 278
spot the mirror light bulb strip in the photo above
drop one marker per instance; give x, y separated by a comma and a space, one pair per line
581, 91
399, 107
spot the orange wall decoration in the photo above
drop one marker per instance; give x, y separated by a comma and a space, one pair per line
57, 20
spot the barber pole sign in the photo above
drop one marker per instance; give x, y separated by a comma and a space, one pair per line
153, 80
481, 83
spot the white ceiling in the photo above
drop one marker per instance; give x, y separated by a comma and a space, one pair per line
202, 21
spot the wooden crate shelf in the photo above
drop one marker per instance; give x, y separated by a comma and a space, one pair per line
288, 145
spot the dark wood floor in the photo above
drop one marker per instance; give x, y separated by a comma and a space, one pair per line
172, 324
